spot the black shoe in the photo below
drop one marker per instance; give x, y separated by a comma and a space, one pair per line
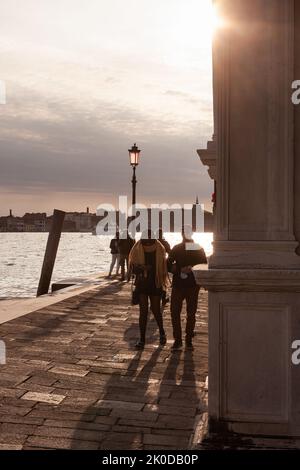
177, 345
162, 339
189, 345
140, 345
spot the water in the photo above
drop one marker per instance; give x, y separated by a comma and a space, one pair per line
79, 254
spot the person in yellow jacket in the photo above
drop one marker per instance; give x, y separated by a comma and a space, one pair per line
147, 260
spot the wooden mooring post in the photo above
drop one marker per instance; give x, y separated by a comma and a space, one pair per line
51, 251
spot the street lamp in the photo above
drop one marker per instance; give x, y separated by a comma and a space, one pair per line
134, 155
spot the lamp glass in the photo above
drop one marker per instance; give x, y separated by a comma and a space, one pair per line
134, 155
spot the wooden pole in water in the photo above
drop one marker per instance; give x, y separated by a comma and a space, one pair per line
51, 251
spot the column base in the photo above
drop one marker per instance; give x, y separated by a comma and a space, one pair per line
254, 317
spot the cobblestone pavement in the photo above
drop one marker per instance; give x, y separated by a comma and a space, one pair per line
74, 381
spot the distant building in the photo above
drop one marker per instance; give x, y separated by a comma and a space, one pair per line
35, 222
3, 224
69, 226
15, 224
87, 222
83, 220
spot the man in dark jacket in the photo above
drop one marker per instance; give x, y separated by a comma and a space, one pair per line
180, 262
125, 245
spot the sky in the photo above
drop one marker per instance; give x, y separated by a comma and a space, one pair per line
87, 79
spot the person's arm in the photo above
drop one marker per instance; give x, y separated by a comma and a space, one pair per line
140, 270
171, 262
137, 269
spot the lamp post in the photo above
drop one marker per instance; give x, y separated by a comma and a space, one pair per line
134, 155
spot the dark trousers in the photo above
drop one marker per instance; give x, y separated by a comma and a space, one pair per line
156, 310
190, 295
123, 262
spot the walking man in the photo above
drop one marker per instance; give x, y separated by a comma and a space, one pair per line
125, 245
181, 260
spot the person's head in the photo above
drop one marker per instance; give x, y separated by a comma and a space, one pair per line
187, 233
147, 238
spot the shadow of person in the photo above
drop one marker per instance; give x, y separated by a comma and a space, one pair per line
179, 382
150, 398
118, 422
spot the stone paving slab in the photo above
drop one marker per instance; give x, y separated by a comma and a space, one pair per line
73, 379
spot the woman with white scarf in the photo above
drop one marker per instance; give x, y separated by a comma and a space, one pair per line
147, 260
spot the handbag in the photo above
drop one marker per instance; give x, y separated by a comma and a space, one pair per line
135, 295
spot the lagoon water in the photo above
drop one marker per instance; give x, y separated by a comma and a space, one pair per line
79, 254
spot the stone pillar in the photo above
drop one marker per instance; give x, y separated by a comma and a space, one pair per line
254, 274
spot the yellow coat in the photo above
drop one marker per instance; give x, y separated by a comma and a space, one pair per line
137, 256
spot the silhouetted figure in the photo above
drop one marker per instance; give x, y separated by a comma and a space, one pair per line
148, 263
184, 287
125, 245
115, 254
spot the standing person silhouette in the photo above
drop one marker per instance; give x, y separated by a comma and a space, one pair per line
148, 262
115, 254
125, 245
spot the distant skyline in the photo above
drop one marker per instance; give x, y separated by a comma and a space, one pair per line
84, 81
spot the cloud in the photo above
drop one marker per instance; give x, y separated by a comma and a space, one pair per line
184, 96
81, 90
62, 147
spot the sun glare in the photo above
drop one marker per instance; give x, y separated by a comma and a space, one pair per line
214, 20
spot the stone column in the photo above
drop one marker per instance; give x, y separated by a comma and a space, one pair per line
254, 274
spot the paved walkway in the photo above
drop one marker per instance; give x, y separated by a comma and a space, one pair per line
74, 381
